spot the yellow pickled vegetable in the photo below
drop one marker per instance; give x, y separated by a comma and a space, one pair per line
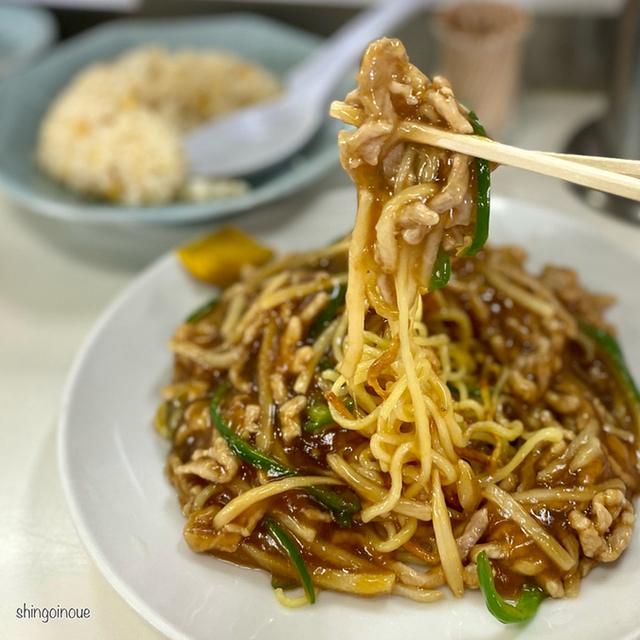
219, 257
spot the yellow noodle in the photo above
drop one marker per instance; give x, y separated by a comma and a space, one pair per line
417, 594
363, 584
461, 319
438, 340
302, 531
467, 486
447, 547
300, 291
339, 557
373, 492
556, 552
355, 298
549, 434
236, 306
561, 494
446, 468
393, 495
290, 603
203, 496
245, 500
270, 299
288, 262
534, 284
471, 405
206, 357
397, 539
355, 424
413, 384
519, 295
338, 337
319, 347
379, 341
572, 585
511, 432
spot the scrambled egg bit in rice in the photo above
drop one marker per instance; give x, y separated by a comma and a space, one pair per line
115, 131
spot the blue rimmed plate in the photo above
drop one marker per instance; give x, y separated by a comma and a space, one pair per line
25, 32
24, 100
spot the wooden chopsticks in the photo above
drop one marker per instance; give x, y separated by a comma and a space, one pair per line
616, 165
613, 175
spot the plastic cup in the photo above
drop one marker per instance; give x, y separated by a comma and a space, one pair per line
481, 48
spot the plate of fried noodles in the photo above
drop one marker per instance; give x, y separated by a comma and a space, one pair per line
389, 428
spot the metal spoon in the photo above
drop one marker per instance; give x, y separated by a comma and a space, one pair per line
261, 136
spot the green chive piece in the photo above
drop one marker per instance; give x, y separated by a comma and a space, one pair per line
240, 447
319, 416
472, 389
204, 310
527, 605
295, 557
611, 349
483, 196
441, 270
326, 316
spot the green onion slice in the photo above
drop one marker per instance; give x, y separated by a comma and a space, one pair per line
294, 555
441, 270
527, 605
204, 310
325, 317
319, 416
483, 197
611, 349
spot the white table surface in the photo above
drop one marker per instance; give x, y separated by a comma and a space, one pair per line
55, 279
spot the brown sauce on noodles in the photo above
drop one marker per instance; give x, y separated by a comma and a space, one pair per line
477, 417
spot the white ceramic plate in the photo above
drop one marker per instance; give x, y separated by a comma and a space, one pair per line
127, 513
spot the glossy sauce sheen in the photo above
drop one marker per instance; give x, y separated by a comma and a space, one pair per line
307, 454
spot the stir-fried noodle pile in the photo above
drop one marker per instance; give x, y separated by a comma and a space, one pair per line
397, 434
